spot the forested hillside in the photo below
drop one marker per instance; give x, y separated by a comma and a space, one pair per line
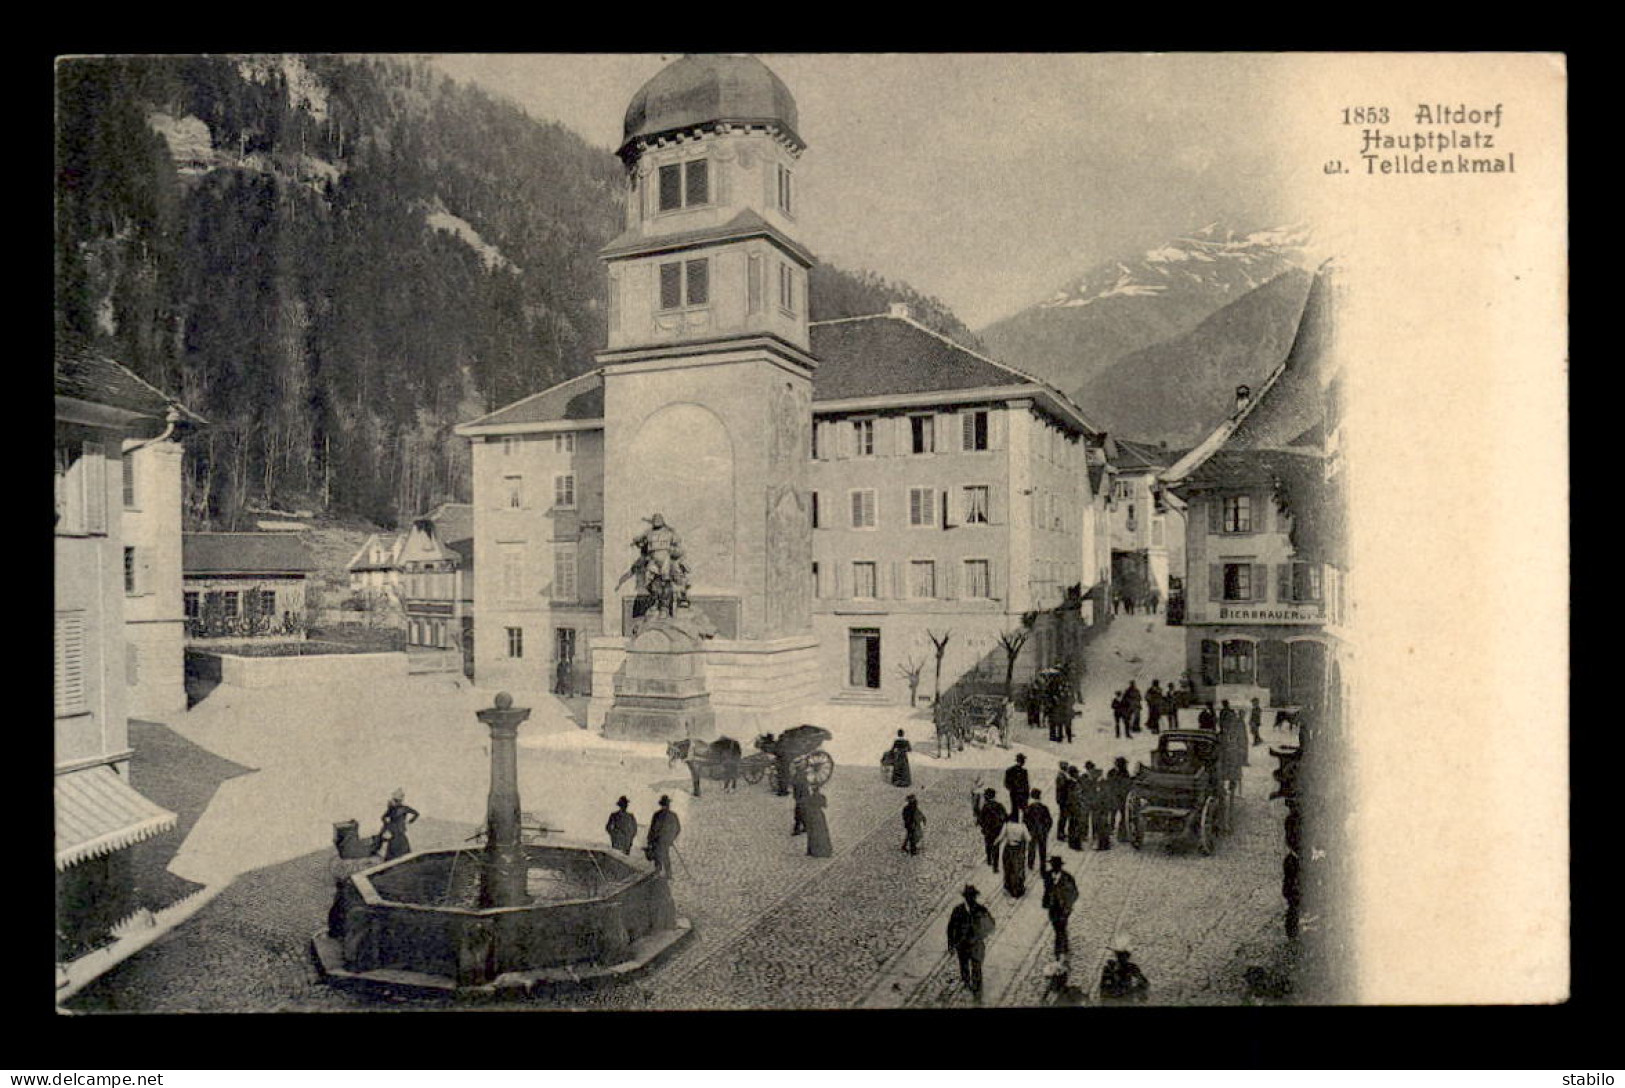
335, 260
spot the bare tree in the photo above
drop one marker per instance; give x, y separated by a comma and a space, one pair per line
1013, 641
940, 644
911, 670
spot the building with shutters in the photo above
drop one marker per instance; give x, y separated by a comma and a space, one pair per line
116, 607
1260, 599
1147, 524
436, 563
840, 487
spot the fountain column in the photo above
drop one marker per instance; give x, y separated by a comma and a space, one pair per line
502, 877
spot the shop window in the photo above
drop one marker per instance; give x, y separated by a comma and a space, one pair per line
1237, 664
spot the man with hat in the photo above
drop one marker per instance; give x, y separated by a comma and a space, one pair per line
969, 927
622, 827
663, 831
913, 825
1063, 802
991, 818
1039, 822
1060, 896
1121, 980
1017, 782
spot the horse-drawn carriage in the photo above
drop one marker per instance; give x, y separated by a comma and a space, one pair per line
979, 720
723, 759
1187, 790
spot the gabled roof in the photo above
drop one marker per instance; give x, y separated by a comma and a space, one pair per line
1287, 412
747, 224
1130, 456
577, 399
388, 543
244, 553
881, 355
87, 375
453, 521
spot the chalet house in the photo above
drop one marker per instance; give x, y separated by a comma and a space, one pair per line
436, 567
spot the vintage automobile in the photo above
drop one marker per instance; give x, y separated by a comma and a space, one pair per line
1185, 791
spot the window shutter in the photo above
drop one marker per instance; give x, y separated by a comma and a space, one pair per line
870, 517
1261, 573
967, 431
1215, 511
1283, 581
1215, 582
995, 581
950, 508
996, 428
70, 662
845, 441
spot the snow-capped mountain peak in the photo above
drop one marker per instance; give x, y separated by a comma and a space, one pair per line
1213, 259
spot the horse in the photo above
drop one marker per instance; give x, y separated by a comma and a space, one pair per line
719, 759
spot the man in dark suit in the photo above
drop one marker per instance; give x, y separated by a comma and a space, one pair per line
969, 927
990, 817
1039, 821
664, 828
1017, 783
1060, 896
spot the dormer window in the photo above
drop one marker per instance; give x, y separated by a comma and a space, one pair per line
684, 185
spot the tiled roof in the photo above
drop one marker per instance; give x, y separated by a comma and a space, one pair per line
1242, 468
579, 398
881, 355
1139, 455
86, 375
465, 553
244, 553
453, 521
747, 224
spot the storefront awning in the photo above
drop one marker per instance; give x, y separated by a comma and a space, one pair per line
98, 812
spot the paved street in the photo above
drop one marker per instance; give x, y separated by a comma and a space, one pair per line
772, 927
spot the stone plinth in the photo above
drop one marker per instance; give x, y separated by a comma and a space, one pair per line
659, 691
754, 687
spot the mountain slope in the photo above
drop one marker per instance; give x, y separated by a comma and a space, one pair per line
1178, 390
1122, 306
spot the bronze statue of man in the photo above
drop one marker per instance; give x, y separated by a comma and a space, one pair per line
661, 559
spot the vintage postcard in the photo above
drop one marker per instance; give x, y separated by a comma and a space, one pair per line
810, 531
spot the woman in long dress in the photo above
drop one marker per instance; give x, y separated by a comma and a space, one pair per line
818, 844
899, 761
1012, 846
396, 817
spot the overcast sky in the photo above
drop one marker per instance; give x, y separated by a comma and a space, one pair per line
986, 180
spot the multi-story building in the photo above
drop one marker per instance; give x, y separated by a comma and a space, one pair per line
1258, 603
100, 406
949, 494
840, 488
436, 563
1147, 529
376, 565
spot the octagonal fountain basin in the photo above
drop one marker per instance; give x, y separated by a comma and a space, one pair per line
416, 922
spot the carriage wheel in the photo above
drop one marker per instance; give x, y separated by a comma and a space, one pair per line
820, 767
752, 773
1206, 829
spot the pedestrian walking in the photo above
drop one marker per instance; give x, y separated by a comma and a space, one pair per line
622, 827
1154, 707
1119, 716
1255, 721
818, 841
1069, 713
1205, 719
799, 789
900, 749
913, 825
1231, 735
1035, 704
1118, 780
1039, 821
990, 817
1117, 601
1154, 600
1060, 896
1102, 809
1012, 844
664, 828
1018, 784
969, 927
1171, 701
1063, 805
396, 816
1121, 980
1132, 701
1078, 800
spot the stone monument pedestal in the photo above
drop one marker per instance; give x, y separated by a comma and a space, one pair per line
660, 691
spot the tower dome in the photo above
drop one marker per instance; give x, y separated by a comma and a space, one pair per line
700, 89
